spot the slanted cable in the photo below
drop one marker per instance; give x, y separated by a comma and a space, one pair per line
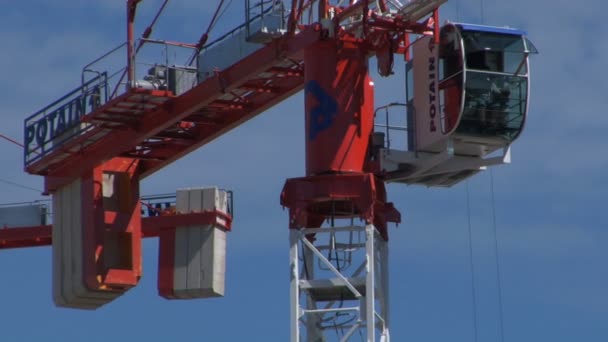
20, 185
13, 141
296, 7
205, 36
148, 30
145, 35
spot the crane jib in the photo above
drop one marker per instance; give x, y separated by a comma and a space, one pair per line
322, 115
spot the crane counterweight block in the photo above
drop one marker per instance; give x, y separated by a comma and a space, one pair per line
192, 257
97, 236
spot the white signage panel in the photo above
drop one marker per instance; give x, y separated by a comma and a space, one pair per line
426, 95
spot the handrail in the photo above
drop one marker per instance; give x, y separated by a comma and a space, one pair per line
150, 200
85, 85
238, 28
86, 67
168, 42
387, 126
44, 135
44, 202
480, 71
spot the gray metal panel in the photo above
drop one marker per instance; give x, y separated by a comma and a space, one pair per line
225, 53
65, 211
213, 248
209, 198
182, 79
69, 289
200, 250
194, 245
62, 249
180, 263
213, 268
57, 246
270, 26
75, 293
80, 293
23, 215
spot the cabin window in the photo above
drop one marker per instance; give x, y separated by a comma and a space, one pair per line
449, 54
495, 52
495, 105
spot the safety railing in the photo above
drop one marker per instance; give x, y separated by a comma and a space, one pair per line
395, 130
102, 80
157, 205
112, 57
262, 13
147, 65
50, 127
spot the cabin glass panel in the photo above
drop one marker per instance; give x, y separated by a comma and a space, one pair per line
495, 105
496, 85
495, 52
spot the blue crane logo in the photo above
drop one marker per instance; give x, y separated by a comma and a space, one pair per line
321, 116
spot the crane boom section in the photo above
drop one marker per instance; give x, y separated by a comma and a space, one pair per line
158, 127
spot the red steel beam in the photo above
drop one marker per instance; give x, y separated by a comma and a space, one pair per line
151, 226
207, 134
25, 237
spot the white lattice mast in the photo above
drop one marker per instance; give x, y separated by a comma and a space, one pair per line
343, 296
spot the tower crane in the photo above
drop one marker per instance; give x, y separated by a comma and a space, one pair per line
466, 102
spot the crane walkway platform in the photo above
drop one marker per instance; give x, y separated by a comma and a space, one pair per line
121, 113
154, 126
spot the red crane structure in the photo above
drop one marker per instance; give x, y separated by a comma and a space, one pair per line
465, 105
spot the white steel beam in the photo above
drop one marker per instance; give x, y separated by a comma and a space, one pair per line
370, 302
294, 291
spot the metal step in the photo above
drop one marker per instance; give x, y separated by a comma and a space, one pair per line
334, 289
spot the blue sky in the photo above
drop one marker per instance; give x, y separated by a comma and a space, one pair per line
550, 202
